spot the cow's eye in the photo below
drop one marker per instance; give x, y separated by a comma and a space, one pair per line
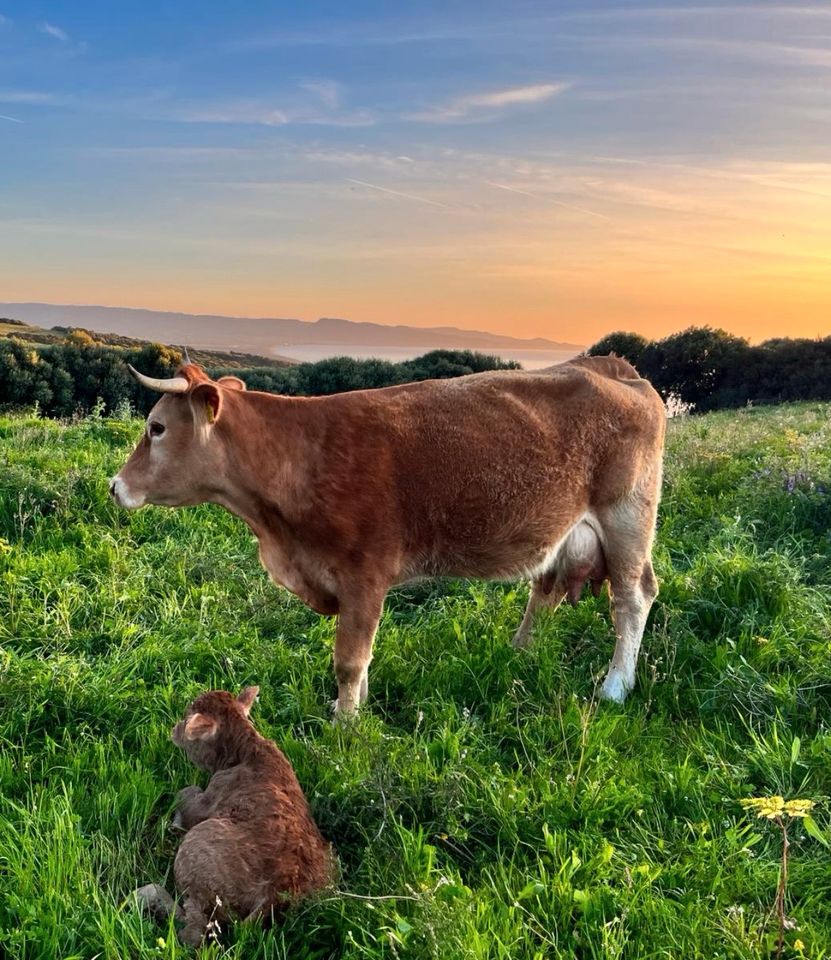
155, 429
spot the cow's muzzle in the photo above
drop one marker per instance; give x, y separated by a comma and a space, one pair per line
122, 496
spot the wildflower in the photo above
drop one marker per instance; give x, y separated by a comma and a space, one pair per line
781, 810
160, 943
768, 807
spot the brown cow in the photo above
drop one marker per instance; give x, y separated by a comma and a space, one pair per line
554, 476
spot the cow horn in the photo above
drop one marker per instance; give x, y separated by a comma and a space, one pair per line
171, 385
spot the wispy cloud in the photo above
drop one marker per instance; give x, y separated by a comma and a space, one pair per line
357, 158
316, 102
361, 35
67, 43
250, 113
11, 119
557, 203
25, 96
763, 51
51, 30
693, 11
800, 178
328, 91
750, 49
399, 193
488, 103
165, 153
266, 116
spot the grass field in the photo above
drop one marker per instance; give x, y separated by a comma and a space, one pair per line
484, 805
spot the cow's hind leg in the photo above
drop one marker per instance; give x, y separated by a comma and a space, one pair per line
211, 865
158, 902
196, 920
357, 622
628, 529
544, 593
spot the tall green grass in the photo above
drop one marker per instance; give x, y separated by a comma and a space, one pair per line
485, 805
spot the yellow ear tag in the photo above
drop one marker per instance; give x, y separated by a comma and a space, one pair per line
210, 412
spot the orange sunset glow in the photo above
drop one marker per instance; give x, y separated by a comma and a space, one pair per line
560, 172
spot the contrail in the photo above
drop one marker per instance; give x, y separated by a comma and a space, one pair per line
398, 193
559, 203
13, 119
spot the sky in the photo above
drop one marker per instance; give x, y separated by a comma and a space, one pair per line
532, 168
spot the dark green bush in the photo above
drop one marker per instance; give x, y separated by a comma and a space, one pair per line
714, 370
79, 374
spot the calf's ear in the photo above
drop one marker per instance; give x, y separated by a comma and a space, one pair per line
247, 697
200, 727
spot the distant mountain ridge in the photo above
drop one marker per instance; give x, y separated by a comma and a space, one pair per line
265, 335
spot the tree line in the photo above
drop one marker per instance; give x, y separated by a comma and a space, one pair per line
78, 375
707, 368
712, 369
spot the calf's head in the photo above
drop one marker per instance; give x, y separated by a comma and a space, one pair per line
214, 727
179, 458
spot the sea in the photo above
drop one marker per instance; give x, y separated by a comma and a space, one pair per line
311, 352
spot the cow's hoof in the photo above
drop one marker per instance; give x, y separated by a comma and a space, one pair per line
521, 640
156, 901
192, 935
342, 717
615, 688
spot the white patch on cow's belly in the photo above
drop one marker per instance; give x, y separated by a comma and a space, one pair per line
577, 547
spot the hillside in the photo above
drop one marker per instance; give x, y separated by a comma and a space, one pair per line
265, 335
485, 805
206, 358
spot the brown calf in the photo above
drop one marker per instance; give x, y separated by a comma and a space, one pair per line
554, 476
251, 845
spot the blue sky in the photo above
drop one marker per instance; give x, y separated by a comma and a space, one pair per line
555, 169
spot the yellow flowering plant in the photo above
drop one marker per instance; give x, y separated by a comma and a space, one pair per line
780, 810
772, 807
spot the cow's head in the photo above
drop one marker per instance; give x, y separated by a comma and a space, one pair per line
180, 458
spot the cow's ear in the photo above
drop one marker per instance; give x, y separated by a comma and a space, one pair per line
206, 399
247, 697
233, 383
200, 726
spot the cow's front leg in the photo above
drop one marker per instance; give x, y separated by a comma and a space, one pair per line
357, 622
192, 808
